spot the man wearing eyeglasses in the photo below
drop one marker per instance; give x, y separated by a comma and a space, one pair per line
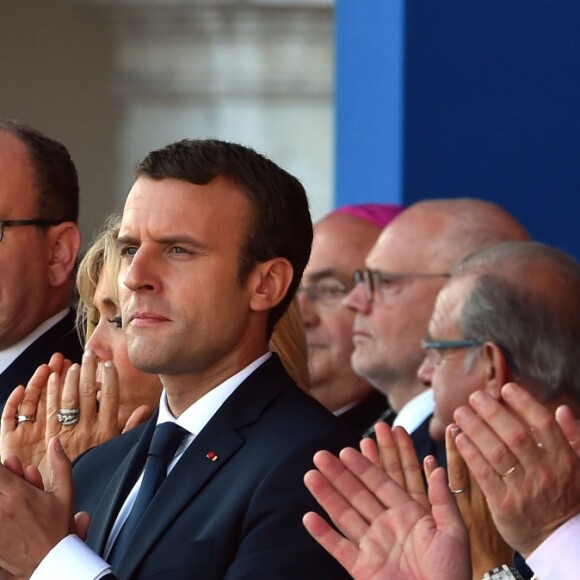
509, 313
342, 239
393, 298
39, 242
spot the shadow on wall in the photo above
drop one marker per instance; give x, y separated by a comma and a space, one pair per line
56, 66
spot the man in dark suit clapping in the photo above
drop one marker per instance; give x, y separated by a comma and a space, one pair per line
213, 242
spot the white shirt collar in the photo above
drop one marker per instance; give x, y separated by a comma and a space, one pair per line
10, 354
415, 411
346, 408
195, 417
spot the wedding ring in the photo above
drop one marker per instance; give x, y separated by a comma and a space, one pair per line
456, 491
24, 419
68, 417
509, 471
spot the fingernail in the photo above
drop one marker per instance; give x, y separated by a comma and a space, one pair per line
454, 431
509, 389
88, 353
462, 414
478, 398
109, 364
58, 445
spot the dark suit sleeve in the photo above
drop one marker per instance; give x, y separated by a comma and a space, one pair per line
62, 337
425, 445
274, 541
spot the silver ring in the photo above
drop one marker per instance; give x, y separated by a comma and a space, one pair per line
24, 419
456, 491
68, 417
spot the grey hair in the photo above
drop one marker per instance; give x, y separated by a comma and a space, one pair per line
538, 331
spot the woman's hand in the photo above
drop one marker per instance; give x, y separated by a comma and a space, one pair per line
24, 415
97, 406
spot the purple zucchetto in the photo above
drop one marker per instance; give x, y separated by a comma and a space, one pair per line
378, 214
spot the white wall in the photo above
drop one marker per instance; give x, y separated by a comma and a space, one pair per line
114, 79
56, 70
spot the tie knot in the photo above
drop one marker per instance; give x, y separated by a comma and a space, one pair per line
166, 439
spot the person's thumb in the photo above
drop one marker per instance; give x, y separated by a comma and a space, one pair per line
82, 521
61, 481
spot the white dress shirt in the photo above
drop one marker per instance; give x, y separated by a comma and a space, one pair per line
558, 556
415, 411
71, 558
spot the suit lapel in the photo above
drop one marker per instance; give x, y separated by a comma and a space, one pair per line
189, 476
195, 469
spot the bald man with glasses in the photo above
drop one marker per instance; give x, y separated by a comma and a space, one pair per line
508, 313
392, 299
341, 242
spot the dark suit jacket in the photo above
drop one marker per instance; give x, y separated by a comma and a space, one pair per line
424, 445
62, 337
239, 516
363, 416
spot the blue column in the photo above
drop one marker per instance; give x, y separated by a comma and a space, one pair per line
369, 101
463, 98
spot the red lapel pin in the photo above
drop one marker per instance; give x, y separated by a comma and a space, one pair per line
211, 455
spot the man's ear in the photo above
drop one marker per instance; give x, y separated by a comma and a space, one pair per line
496, 368
270, 281
64, 241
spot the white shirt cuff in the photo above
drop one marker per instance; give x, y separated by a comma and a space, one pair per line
558, 555
71, 559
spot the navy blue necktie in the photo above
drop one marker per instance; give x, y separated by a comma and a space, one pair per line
166, 439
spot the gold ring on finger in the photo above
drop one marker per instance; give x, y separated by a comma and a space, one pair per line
509, 471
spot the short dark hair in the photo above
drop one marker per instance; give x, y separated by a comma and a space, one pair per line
57, 185
281, 224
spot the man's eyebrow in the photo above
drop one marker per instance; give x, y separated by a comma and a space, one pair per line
328, 273
182, 239
165, 241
